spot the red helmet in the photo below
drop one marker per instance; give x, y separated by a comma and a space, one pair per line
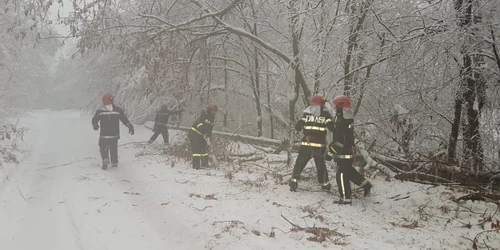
342, 101
107, 99
318, 100
212, 106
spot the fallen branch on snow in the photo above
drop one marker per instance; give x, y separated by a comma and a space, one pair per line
21, 193
487, 197
321, 234
419, 177
203, 209
69, 163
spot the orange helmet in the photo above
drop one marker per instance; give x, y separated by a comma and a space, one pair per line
107, 99
342, 101
318, 100
213, 107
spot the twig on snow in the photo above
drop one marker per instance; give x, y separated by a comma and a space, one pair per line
66, 164
200, 209
294, 225
21, 193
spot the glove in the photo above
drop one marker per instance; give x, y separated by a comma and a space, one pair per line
131, 130
208, 140
96, 127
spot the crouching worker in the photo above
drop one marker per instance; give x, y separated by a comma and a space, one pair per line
200, 132
314, 123
109, 117
342, 150
161, 121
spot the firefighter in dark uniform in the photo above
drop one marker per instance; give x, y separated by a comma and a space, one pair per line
342, 150
200, 132
161, 121
314, 123
109, 117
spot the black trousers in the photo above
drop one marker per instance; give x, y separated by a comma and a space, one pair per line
164, 133
109, 147
199, 149
305, 154
345, 174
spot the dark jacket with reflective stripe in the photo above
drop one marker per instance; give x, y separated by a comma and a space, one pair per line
204, 124
110, 121
161, 118
343, 137
315, 127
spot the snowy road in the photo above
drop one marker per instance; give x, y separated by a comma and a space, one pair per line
46, 206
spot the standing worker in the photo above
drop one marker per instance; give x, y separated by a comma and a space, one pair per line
200, 133
342, 150
109, 116
161, 121
314, 123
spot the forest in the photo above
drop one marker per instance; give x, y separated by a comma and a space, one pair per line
423, 75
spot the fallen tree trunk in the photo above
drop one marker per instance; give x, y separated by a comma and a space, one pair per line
279, 145
487, 197
418, 177
370, 162
237, 137
396, 165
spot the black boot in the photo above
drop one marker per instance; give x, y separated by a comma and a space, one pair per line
294, 184
367, 186
343, 202
204, 162
326, 187
105, 164
196, 162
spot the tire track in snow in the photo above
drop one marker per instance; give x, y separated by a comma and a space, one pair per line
162, 220
76, 232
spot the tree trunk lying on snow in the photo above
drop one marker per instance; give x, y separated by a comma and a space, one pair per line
236, 137
422, 178
395, 165
370, 162
488, 197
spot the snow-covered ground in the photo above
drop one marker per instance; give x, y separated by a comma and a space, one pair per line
59, 198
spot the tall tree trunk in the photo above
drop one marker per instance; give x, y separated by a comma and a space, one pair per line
224, 122
297, 27
455, 128
271, 118
352, 43
256, 88
471, 130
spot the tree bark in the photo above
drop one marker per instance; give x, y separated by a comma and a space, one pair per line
352, 43
271, 118
471, 84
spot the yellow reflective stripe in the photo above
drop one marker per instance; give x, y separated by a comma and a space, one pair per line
315, 128
109, 136
333, 149
199, 155
328, 120
311, 144
109, 113
207, 121
199, 125
343, 156
196, 130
